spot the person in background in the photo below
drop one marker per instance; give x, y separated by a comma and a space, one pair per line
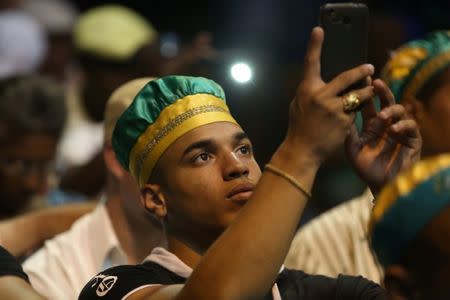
119, 231
196, 170
409, 229
418, 74
113, 44
23, 44
32, 116
58, 18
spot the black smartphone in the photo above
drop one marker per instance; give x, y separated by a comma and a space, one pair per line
346, 37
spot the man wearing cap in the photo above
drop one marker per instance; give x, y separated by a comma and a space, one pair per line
409, 231
228, 225
336, 242
119, 231
114, 44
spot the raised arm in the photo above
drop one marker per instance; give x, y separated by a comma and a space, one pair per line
236, 267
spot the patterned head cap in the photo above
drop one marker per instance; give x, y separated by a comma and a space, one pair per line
164, 110
406, 205
413, 64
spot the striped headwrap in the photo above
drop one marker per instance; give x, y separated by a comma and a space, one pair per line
412, 65
406, 205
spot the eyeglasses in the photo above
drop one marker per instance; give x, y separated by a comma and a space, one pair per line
23, 167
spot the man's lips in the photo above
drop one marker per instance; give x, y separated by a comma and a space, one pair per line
241, 192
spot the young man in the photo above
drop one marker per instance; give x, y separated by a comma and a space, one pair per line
410, 228
228, 225
336, 242
119, 231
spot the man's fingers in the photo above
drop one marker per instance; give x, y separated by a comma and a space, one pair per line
406, 132
364, 95
394, 112
406, 127
347, 78
384, 93
312, 57
368, 111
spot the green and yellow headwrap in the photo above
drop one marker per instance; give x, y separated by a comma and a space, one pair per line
406, 205
164, 110
413, 64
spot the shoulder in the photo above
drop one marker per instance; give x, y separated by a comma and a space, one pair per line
117, 282
65, 262
339, 219
358, 287
314, 247
323, 287
63, 246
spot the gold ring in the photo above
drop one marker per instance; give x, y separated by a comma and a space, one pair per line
351, 102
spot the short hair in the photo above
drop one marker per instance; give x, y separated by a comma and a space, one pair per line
32, 104
119, 101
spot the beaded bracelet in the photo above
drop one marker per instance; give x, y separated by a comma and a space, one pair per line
288, 177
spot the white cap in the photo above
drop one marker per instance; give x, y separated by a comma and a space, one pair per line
23, 43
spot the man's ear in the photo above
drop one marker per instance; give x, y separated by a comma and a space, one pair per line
154, 200
399, 284
111, 162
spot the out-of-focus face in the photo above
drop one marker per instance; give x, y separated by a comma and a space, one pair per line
98, 86
433, 119
209, 174
25, 163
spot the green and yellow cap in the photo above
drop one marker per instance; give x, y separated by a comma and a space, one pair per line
112, 32
406, 205
413, 64
162, 111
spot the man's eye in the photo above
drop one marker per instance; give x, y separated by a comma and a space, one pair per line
245, 149
201, 157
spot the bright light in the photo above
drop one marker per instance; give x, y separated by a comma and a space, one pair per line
241, 72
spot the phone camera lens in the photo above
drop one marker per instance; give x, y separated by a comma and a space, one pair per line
334, 17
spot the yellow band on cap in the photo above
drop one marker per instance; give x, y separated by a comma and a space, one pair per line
405, 183
425, 73
174, 121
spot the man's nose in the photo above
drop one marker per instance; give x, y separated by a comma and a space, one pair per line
234, 167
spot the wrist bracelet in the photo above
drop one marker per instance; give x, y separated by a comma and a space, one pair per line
288, 177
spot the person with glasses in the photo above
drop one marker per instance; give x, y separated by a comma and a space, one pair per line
32, 116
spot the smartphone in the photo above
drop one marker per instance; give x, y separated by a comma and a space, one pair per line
346, 37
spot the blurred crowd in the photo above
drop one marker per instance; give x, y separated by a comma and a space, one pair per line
73, 203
